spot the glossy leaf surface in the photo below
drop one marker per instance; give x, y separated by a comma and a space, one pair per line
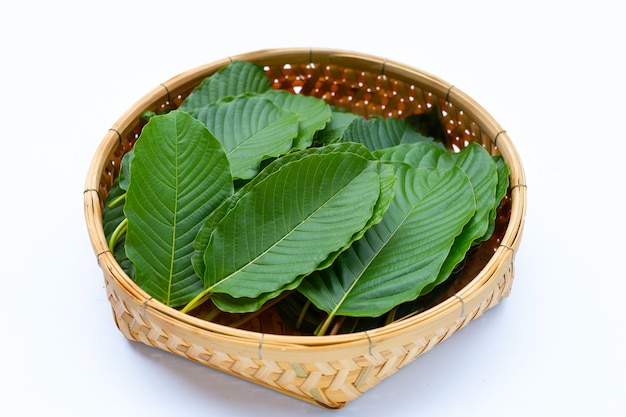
251, 129
179, 174
397, 257
289, 222
313, 114
480, 169
378, 133
232, 80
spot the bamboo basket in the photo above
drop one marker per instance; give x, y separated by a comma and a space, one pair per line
328, 371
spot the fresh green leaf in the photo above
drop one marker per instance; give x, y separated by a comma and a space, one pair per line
313, 114
112, 219
246, 304
430, 123
204, 234
251, 129
379, 133
112, 213
480, 169
334, 129
289, 222
227, 303
232, 80
113, 210
179, 174
501, 189
403, 253
124, 177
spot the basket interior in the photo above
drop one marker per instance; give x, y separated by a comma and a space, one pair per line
361, 91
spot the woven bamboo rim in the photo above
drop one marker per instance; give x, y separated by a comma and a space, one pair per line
328, 371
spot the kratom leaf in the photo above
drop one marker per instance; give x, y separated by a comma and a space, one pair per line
251, 128
334, 129
397, 257
430, 123
480, 169
501, 189
179, 174
313, 114
230, 304
113, 216
247, 304
204, 234
378, 133
124, 177
241, 249
243, 304
288, 223
112, 212
232, 80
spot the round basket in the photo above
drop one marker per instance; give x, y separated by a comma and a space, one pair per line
332, 370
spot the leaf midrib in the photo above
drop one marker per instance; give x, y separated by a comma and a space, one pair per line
385, 242
293, 229
175, 221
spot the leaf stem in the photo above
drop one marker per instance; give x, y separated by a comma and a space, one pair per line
391, 316
337, 326
117, 200
117, 233
302, 314
322, 330
197, 301
212, 314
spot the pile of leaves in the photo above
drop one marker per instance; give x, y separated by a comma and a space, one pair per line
246, 194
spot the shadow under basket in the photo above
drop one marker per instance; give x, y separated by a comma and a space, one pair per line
328, 371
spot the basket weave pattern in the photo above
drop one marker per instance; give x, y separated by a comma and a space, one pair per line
329, 383
329, 371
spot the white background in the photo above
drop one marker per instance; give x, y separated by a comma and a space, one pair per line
551, 73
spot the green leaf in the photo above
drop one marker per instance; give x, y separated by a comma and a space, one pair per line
430, 123
246, 304
124, 177
479, 167
112, 217
501, 189
230, 304
179, 174
112, 212
379, 133
204, 234
397, 257
313, 114
334, 129
286, 224
237, 78
251, 129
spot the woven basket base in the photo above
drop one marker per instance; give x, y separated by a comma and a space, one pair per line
330, 384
